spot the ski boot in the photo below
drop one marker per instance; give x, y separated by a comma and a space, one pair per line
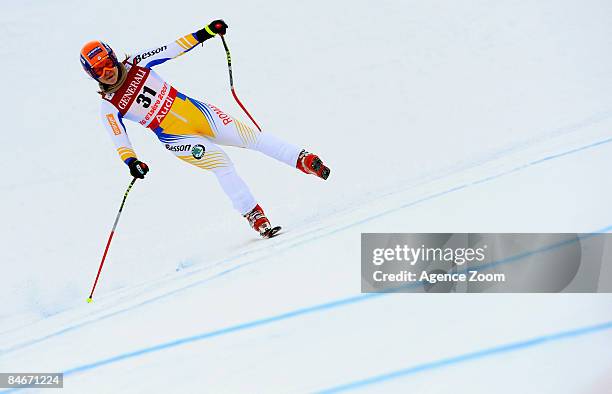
260, 223
310, 163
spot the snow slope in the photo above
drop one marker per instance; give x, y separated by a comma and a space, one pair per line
435, 117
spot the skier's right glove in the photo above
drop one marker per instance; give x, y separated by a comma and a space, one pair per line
218, 26
138, 169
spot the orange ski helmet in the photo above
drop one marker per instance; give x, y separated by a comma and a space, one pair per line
96, 57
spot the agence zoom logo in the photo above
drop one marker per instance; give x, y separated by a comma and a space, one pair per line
145, 55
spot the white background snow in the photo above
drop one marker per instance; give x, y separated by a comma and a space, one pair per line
407, 101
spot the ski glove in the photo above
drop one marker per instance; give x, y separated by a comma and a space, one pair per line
218, 26
215, 27
138, 169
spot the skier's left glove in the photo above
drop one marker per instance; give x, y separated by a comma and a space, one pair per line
218, 26
138, 169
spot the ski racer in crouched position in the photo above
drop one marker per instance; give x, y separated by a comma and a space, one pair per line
188, 128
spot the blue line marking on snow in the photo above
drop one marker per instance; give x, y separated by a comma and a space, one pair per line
445, 362
339, 303
304, 241
149, 301
224, 331
284, 316
602, 142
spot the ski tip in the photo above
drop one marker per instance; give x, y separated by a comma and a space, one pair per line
271, 232
89, 300
325, 173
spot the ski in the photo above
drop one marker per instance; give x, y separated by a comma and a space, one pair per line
320, 169
272, 232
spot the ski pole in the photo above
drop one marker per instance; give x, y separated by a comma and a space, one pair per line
229, 66
89, 300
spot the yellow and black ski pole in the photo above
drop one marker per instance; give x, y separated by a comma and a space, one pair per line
229, 66
90, 299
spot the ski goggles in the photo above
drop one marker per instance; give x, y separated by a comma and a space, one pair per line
100, 67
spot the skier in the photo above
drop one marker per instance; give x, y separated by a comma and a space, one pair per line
188, 128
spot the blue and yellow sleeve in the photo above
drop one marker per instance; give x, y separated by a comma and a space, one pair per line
154, 56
